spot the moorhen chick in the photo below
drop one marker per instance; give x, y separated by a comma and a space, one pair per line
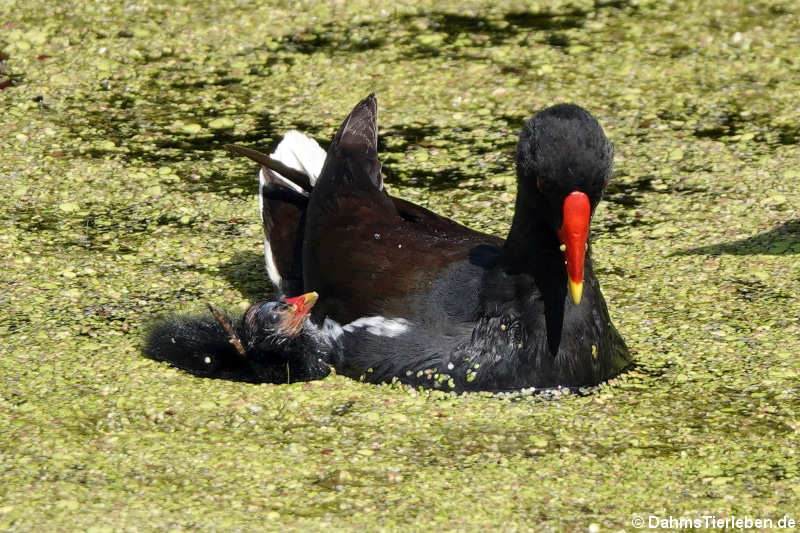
273, 342
428, 301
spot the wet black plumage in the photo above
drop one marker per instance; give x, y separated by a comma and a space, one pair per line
200, 345
408, 295
468, 311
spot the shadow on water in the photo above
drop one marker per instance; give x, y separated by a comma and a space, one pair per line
140, 136
246, 272
726, 121
122, 124
440, 33
783, 240
460, 32
7, 78
396, 142
143, 135
626, 192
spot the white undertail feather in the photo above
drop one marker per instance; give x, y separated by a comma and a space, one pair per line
274, 176
300, 153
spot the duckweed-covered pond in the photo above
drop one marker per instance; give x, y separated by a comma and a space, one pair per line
119, 203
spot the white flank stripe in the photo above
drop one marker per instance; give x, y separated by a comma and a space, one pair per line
272, 270
300, 153
329, 332
379, 326
269, 260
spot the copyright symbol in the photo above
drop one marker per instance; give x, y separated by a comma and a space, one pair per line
637, 522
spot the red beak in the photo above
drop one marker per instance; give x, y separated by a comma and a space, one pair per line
574, 234
303, 303
296, 315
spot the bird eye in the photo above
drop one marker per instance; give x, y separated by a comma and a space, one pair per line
268, 315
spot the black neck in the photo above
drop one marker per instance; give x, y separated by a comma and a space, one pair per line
531, 240
532, 251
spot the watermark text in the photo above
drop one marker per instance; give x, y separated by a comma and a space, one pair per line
710, 521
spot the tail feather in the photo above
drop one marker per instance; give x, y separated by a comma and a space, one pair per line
282, 211
358, 134
297, 167
286, 178
356, 145
295, 164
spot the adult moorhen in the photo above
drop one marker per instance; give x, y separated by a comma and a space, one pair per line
430, 302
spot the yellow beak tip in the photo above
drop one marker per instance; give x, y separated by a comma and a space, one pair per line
576, 291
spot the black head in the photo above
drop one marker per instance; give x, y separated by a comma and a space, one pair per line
563, 166
276, 322
281, 344
560, 150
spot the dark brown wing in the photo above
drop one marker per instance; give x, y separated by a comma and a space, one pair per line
364, 251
